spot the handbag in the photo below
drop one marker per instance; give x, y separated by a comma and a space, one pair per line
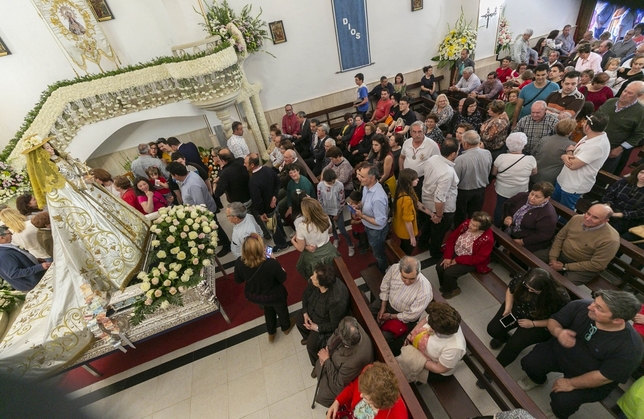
271, 223
638, 231
389, 120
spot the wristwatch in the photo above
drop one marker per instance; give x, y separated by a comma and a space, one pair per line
564, 268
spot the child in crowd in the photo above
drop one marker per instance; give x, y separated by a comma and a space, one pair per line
511, 104
160, 184
355, 201
43, 223
611, 69
331, 197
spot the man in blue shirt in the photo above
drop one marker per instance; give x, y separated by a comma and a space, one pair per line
362, 99
374, 213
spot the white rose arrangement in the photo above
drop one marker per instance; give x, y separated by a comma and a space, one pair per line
176, 257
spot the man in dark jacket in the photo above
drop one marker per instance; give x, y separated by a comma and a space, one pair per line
18, 267
348, 351
233, 179
264, 186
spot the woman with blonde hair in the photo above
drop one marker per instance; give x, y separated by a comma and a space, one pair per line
444, 111
264, 278
24, 234
312, 238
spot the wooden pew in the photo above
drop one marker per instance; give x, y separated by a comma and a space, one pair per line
360, 310
602, 183
416, 99
629, 274
309, 173
575, 292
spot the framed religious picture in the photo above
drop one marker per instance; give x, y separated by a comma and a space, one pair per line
416, 5
277, 32
101, 10
3, 49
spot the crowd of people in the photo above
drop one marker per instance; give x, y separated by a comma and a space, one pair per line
554, 115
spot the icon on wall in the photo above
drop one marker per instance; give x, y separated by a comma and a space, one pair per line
101, 10
416, 5
277, 32
3, 49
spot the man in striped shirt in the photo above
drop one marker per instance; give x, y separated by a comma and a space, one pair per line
404, 294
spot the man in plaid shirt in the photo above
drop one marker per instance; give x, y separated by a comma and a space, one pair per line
537, 125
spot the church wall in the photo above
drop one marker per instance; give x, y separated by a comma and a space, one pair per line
304, 72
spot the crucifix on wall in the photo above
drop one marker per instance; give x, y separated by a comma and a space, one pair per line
487, 16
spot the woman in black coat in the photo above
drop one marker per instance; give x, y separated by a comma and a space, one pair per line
530, 218
264, 278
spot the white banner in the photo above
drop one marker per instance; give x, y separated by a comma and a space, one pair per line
76, 29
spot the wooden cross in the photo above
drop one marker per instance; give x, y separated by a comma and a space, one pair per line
487, 16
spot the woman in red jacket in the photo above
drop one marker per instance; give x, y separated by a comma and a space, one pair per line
374, 394
468, 249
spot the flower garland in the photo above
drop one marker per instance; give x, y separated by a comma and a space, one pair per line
461, 37
9, 297
13, 182
186, 237
69, 104
504, 36
219, 17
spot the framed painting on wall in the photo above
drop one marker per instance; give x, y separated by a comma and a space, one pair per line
101, 10
416, 5
3, 49
277, 32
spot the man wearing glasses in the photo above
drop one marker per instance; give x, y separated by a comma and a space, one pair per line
593, 345
18, 267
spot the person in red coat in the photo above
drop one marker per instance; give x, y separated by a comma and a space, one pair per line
373, 394
468, 249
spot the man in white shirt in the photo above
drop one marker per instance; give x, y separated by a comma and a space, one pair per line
582, 162
467, 83
236, 143
416, 151
243, 226
439, 198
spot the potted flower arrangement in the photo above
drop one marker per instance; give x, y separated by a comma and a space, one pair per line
13, 182
461, 36
504, 36
186, 237
219, 17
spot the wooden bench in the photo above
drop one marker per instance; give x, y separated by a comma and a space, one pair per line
360, 310
627, 273
610, 403
309, 173
446, 391
449, 392
602, 183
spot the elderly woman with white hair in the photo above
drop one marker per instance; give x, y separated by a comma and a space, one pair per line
512, 170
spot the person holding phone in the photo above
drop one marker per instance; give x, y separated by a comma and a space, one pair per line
531, 299
264, 278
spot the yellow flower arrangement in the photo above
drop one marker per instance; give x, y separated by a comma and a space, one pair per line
461, 36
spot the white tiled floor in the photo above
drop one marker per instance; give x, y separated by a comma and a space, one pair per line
259, 380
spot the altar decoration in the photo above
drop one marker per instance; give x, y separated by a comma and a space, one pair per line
461, 36
14, 183
218, 20
504, 36
76, 29
68, 105
9, 298
186, 237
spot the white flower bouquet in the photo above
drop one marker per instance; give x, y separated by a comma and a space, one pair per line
461, 36
184, 242
13, 182
504, 36
9, 297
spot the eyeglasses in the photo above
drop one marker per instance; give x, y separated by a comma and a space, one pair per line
530, 289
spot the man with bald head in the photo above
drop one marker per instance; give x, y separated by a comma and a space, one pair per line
537, 125
625, 125
584, 246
